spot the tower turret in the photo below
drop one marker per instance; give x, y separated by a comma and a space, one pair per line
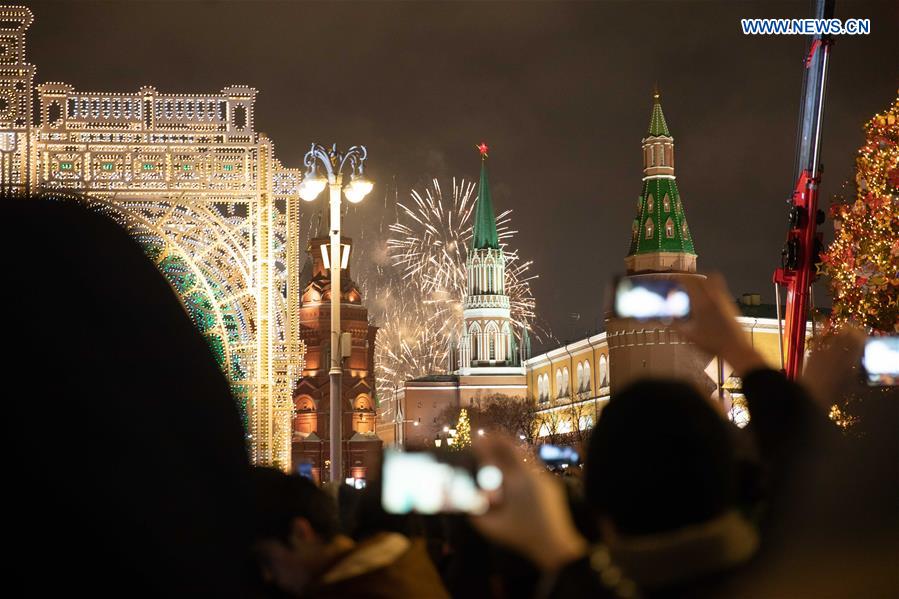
660, 237
485, 345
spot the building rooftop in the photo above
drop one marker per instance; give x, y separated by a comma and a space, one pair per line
436, 378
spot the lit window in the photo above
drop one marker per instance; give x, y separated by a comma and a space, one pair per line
648, 228
603, 371
683, 228
669, 228
666, 203
649, 203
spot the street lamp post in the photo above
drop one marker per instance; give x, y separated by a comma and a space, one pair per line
333, 163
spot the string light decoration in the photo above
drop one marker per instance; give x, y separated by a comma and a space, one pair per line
863, 259
203, 193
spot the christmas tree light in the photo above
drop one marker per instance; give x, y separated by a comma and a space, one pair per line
462, 438
863, 260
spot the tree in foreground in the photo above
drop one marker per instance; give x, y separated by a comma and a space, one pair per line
863, 259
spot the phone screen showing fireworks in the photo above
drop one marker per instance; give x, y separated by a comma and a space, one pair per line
421, 483
651, 299
555, 455
881, 360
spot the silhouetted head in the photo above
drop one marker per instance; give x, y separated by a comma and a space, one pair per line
660, 458
127, 453
282, 498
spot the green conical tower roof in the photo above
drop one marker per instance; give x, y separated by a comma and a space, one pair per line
660, 226
661, 223
657, 124
484, 234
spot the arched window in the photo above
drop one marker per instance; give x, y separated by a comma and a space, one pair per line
304, 415
683, 228
489, 265
588, 383
603, 371
666, 203
559, 383
491, 332
635, 228
475, 335
363, 414
565, 382
580, 376
505, 345
669, 228
648, 228
649, 203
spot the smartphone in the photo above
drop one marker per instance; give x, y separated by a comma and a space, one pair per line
645, 298
420, 482
305, 470
880, 360
555, 455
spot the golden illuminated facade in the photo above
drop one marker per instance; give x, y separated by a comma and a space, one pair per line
200, 190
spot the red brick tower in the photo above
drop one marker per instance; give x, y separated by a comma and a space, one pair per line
311, 398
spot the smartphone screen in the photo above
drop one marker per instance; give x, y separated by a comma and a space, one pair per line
419, 482
881, 360
651, 299
554, 455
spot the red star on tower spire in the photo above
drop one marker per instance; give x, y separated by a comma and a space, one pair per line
482, 147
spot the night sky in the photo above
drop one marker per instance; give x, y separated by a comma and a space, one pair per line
560, 91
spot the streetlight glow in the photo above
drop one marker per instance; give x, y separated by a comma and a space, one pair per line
311, 186
358, 188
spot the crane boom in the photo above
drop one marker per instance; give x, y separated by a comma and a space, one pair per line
803, 240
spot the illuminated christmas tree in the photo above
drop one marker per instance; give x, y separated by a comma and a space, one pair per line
462, 439
863, 260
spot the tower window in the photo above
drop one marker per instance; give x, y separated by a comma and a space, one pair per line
666, 203
669, 228
683, 228
648, 228
649, 203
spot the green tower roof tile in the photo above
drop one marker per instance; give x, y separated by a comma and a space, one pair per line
657, 124
652, 230
484, 235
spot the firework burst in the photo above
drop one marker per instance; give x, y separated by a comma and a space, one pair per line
429, 244
415, 279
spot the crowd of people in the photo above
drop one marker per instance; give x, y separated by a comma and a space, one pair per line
130, 475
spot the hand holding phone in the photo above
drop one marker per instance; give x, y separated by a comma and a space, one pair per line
419, 482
